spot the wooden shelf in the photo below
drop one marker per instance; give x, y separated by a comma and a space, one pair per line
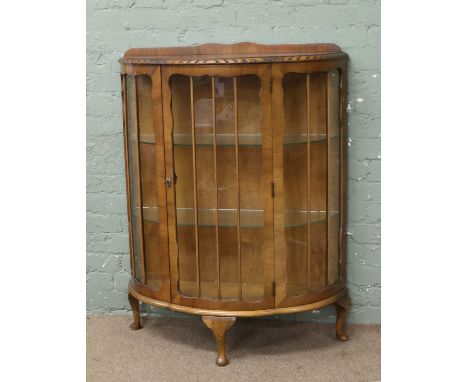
229, 290
300, 290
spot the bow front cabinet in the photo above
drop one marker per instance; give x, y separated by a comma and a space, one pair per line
235, 165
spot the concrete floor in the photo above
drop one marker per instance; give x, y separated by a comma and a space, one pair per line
181, 349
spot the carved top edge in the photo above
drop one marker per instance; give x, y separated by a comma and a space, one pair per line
241, 53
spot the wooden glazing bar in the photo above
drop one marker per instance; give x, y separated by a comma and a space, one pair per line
142, 243
194, 169
123, 79
341, 129
327, 186
218, 265
308, 176
236, 132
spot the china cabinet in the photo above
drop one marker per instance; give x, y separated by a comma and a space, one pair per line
236, 175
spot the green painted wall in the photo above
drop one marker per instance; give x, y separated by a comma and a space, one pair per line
113, 26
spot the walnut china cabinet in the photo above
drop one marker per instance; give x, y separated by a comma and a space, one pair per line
235, 163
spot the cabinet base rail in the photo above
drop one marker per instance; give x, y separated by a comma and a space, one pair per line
220, 321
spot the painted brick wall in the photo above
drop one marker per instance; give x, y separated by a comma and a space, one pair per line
116, 25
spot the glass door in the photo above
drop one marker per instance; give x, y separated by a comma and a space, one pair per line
219, 162
144, 155
307, 141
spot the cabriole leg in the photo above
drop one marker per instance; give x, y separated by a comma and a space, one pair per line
219, 326
342, 307
134, 303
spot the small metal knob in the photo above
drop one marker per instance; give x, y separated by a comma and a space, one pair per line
168, 181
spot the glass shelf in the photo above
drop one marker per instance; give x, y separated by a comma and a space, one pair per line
298, 218
150, 214
302, 138
230, 139
249, 218
147, 138
221, 139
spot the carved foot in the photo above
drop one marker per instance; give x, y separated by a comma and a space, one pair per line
219, 326
342, 307
134, 303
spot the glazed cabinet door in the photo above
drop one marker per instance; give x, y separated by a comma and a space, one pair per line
145, 173
308, 158
217, 121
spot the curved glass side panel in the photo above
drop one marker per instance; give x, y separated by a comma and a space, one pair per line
334, 184
133, 171
305, 148
142, 152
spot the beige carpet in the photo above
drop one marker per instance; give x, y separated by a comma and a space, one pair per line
180, 349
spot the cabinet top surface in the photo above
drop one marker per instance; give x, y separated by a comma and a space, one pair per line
240, 53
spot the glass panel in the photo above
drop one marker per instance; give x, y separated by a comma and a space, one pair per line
318, 178
333, 176
149, 189
206, 186
227, 188
184, 185
250, 187
142, 166
305, 179
220, 178
132, 128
